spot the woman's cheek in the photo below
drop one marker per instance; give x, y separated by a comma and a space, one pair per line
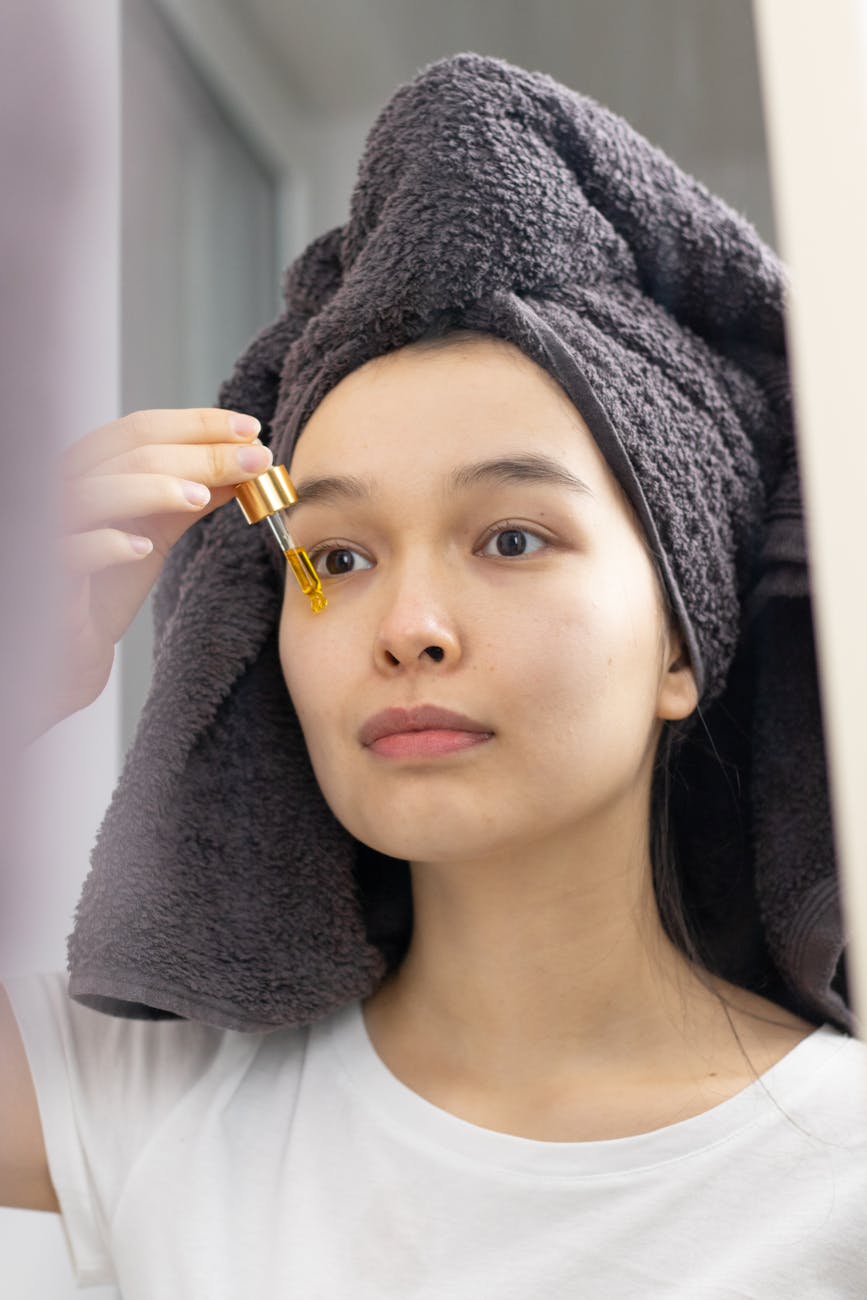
316, 673
307, 671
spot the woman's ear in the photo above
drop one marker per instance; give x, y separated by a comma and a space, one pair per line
678, 695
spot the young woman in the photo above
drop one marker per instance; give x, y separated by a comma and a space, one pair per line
546, 1094
540, 994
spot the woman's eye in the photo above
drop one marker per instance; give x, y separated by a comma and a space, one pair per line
338, 559
509, 541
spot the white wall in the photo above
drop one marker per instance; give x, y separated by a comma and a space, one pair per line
60, 317
60, 165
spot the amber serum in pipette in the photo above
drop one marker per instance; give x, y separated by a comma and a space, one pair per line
268, 496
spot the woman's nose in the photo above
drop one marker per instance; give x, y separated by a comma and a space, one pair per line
417, 628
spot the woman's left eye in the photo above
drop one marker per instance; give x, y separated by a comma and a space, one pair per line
511, 539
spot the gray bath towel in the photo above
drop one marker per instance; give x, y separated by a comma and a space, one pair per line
221, 886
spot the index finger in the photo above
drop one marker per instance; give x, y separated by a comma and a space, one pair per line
195, 424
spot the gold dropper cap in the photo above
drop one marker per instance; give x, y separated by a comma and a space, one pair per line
262, 495
266, 497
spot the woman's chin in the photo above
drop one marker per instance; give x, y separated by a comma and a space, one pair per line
431, 822
435, 840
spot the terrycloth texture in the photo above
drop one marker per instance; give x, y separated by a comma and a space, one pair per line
222, 888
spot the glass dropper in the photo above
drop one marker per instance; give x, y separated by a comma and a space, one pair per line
269, 496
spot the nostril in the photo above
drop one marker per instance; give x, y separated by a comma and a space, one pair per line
436, 652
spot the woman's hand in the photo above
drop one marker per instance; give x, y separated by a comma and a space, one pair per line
128, 490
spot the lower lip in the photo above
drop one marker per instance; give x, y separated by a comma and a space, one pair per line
427, 744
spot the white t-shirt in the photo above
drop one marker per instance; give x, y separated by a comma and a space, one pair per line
194, 1162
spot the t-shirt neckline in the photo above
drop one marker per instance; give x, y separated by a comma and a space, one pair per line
345, 1034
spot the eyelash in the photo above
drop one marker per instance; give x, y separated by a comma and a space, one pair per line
505, 526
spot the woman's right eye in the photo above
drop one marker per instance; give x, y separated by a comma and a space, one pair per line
338, 560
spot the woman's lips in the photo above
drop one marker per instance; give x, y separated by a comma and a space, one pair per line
421, 717
426, 744
423, 731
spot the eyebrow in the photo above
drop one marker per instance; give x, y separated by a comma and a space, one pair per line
528, 468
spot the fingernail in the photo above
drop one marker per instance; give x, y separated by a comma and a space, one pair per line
254, 458
243, 425
196, 493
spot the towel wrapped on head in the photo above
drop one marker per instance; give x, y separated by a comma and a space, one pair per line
488, 197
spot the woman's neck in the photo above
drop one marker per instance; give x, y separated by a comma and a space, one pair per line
547, 976
521, 971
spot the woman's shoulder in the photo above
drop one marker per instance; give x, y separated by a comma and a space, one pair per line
766, 1032
146, 1062
817, 1069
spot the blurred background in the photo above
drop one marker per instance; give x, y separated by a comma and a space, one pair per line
164, 160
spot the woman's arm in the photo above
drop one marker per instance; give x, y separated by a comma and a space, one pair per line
25, 1183
129, 474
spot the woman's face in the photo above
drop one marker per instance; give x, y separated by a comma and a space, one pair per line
449, 519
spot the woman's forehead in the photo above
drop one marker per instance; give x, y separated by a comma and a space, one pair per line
461, 401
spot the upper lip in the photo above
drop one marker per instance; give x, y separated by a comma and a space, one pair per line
423, 717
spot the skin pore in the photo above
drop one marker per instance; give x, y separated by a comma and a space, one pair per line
539, 995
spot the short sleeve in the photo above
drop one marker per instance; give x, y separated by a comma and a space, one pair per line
103, 1085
